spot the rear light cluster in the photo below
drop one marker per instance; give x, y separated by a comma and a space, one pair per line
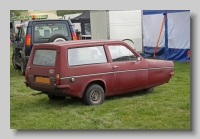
28, 39
57, 79
26, 75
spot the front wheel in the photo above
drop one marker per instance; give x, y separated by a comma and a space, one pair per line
94, 95
14, 62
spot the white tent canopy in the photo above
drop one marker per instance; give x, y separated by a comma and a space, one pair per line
175, 35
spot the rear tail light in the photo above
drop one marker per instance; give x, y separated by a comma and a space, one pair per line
57, 79
28, 39
74, 36
26, 75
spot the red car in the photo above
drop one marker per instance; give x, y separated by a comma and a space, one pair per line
92, 70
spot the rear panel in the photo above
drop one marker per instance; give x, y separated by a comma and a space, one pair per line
42, 68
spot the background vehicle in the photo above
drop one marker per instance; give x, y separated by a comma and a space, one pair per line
39, 31
77, 26
118, 25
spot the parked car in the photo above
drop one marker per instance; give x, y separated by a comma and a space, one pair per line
92, 70
38, 31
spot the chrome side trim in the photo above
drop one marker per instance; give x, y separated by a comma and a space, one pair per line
31, 75
113, 72
86, 75
161, 68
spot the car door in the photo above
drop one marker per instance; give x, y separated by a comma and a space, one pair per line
129, 73
88, 64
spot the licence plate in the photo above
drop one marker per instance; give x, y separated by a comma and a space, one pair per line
42, 80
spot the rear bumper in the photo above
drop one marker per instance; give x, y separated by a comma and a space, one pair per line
63, 90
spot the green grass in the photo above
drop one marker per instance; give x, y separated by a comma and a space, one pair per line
167, 107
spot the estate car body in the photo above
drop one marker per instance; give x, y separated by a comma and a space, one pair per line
92, 70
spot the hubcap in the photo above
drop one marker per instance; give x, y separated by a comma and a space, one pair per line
95, 96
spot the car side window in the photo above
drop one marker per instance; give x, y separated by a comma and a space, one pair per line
121, 53
86, 55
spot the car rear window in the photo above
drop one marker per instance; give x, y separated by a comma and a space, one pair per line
43, 32
86, 55
44, 57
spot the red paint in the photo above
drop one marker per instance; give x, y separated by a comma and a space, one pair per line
114, 77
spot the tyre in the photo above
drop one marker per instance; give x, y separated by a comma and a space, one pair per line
54, 97
94, 95
13, 62
23, 67
58, 38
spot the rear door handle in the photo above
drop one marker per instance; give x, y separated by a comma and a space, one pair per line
114, 67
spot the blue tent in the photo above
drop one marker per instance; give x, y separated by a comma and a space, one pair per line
173, 38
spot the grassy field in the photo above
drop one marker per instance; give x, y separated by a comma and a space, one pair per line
167, 107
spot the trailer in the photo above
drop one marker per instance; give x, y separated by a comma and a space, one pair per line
118, 25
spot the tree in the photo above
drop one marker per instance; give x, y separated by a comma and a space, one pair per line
63, 12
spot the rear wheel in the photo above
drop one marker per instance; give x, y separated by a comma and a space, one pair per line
94, 95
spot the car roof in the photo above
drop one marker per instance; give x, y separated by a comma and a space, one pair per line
72, 43
42, 20
26, 22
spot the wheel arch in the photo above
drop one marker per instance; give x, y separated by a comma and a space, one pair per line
98, 82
